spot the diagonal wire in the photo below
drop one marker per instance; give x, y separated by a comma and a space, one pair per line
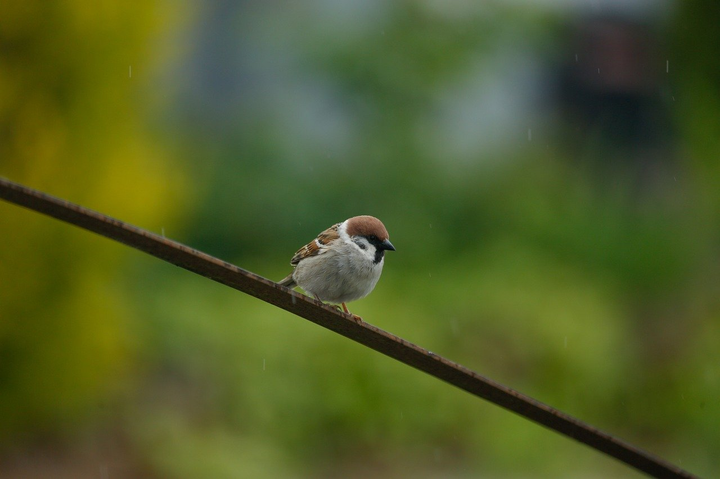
341, 323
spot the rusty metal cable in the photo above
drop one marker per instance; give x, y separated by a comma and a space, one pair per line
341, 323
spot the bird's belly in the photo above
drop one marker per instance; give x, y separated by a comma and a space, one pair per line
335, 279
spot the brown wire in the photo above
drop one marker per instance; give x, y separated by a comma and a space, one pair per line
341, 323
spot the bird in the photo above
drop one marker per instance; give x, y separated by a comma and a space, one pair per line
343, 263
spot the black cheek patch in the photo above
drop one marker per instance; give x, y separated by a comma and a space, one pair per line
379, 255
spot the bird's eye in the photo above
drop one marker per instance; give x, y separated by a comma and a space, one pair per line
373, 238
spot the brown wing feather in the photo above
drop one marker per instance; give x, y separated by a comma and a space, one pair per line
316, 246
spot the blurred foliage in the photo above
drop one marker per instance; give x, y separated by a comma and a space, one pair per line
583, 283
70, 124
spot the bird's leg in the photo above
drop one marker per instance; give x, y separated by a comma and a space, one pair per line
357, 318
333, 305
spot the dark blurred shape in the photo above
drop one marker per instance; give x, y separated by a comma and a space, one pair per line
610, 96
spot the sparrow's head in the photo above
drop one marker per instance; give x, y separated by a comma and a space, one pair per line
369, 234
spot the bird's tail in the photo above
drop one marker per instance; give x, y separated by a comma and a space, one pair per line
288, 282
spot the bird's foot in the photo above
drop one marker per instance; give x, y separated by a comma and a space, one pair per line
355, 317
342, 308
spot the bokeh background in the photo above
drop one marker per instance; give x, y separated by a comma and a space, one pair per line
548, 172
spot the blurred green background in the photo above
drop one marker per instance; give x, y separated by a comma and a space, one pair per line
547, 171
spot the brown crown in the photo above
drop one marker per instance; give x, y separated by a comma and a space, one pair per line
366, 226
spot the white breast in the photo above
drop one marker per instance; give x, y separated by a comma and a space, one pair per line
340, 275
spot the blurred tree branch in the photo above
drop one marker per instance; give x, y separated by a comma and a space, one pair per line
341, 323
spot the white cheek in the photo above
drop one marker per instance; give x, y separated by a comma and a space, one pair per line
365, 249
369, 252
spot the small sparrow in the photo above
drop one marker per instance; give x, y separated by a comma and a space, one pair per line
343, 263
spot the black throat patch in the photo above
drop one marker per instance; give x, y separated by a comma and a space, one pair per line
379, 255
379, 248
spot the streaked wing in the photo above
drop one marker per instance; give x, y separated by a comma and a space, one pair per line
316, 246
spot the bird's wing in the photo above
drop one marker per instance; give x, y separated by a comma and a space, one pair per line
316, 246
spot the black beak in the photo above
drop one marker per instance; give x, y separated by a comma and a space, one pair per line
387, 245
